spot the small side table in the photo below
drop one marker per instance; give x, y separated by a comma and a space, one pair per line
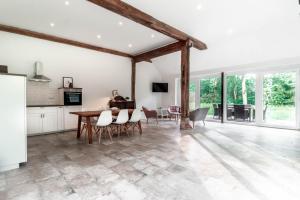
163, 113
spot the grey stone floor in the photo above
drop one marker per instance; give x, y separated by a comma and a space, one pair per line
223, 162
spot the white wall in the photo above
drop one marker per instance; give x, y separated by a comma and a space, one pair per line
97, 73
146, 74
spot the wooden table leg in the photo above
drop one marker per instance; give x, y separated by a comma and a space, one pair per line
90, 131
79, 126
140, 127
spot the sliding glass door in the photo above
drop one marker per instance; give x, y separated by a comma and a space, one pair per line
264, 98
192, 98
210, 96
279, 102
240, 97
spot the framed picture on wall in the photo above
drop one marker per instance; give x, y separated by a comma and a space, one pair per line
68, 82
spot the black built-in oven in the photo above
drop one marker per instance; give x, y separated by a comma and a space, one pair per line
71, 96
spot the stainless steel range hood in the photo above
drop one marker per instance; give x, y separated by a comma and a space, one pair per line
38, 73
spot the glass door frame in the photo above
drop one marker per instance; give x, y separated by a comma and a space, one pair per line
226, 74
259, 104
259, 97
260, 92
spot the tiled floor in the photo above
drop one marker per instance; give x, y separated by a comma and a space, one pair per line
224, 162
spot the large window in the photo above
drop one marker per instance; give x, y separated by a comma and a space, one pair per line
241, 97
262, 97
210, 96
192, 98
279, 98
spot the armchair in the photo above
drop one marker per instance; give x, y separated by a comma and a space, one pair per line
198, 115
150, 114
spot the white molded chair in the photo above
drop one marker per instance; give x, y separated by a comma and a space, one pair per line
122, 119
135, 118
103, 124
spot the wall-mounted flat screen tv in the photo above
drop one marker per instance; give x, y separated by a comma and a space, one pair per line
159, 87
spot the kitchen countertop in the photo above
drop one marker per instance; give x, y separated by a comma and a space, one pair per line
10, 74
53, 105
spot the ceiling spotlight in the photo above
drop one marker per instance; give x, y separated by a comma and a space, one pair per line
130, 45
99, 36
52, 24
152, 36
199, 7
230, 31
67, 3
120, 23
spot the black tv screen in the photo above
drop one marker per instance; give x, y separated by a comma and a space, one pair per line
159, 87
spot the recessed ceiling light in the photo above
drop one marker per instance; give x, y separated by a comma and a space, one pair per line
120, 23
152, 36
67, 3
199, 7
230, 31
99, 36
130, 45
52, 24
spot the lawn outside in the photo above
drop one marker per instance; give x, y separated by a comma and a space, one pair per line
273, 114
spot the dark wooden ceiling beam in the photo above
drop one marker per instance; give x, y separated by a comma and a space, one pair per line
52, 38
147, 56
140, 17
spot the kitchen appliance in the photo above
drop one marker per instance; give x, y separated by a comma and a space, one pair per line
38, 73
13, 132
70, 96
3, 69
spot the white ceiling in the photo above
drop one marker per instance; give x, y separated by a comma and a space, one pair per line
81, 21
236, 31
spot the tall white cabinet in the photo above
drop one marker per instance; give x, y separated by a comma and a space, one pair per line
13, 142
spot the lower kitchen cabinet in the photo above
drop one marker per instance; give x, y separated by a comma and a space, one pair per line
71, 121
51, 119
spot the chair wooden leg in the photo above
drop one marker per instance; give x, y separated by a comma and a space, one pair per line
109, 133
100, 135
82, 129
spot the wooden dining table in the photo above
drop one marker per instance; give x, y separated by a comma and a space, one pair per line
90, 114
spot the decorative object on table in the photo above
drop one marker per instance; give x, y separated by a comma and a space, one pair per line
67, 82
3, 69
150, 114
121, 103
115, 93
198, 115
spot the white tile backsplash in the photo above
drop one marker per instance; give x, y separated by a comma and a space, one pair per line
40, 93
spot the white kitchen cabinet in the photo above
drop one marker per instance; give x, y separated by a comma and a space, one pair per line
60, 119
42, 120
51, 119
50, 122
71, 121
34, 123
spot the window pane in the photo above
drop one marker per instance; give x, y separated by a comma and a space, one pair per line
210, 96
192, 98
241, 97
279, 98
